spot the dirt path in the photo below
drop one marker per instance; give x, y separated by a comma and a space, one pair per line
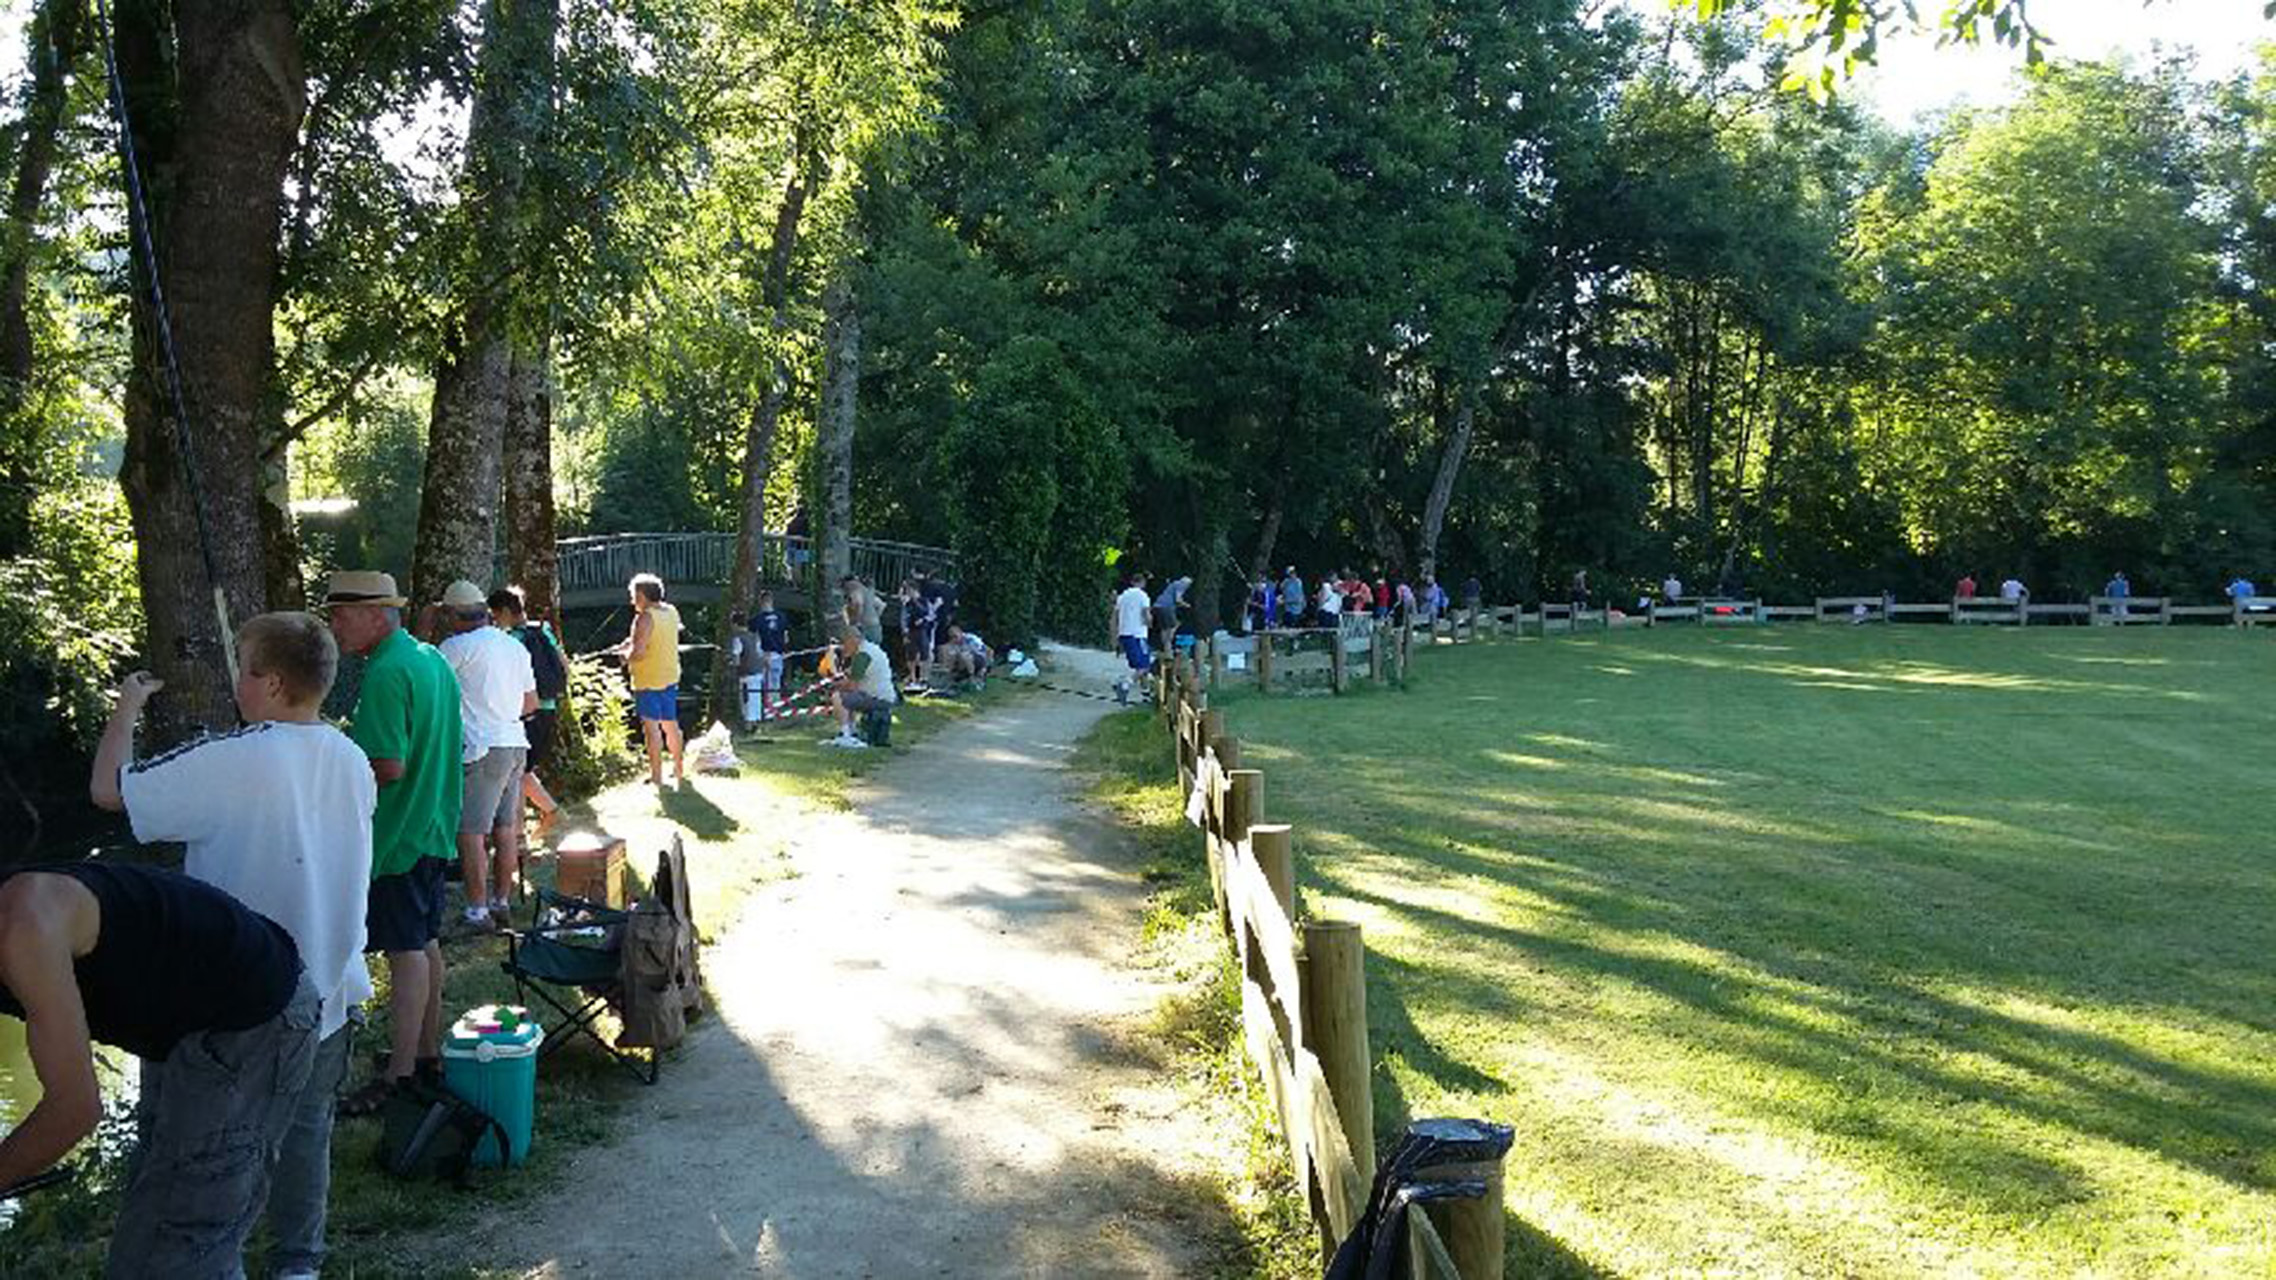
921, 1065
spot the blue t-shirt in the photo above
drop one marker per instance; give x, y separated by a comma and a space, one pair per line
2241, 590
773, 630
2118, 588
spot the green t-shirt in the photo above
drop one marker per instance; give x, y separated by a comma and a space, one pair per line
408, 711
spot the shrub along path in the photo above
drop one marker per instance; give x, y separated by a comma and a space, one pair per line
924, 1057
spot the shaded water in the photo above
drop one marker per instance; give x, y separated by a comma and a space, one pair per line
20, 1088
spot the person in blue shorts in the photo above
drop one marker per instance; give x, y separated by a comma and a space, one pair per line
1131, 613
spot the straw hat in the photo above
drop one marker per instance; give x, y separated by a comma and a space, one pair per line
362, 586
465, 595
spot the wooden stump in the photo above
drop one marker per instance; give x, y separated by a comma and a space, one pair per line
1335, 1030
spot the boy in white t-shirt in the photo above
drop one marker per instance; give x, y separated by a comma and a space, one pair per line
1132, 610
279, 815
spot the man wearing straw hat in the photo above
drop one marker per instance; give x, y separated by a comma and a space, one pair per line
407, 722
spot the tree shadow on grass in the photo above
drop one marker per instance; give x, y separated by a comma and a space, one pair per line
1527, 1250
697, 813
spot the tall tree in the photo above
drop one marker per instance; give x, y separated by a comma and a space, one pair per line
216, 93
495, 321
834, 442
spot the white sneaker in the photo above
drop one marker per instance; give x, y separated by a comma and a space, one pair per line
853, 743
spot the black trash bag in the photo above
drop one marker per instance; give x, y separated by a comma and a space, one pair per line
1377, 1244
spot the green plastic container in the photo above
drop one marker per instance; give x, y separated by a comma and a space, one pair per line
490, 1059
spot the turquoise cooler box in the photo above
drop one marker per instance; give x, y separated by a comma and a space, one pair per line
490, 1059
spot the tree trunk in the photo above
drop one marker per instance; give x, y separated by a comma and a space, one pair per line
280, 542
1268, 537
759, 439
532, 552
1442, 485
52, 49
458, 496
458, 502
216, 126
834, 440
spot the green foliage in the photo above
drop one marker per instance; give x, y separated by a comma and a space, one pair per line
597, 744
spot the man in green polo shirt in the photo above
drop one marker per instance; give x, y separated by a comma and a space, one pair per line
407, 722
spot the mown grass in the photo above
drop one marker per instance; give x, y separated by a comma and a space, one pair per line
381, 1227
1820, 951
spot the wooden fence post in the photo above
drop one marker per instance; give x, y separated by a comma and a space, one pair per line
1275, 852
1335, 1030
1335, 660
1375, 654
1471, 1229
1264, 662
1212, 729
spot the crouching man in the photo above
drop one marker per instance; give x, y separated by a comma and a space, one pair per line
209, 995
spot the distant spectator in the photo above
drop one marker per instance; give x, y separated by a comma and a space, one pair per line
916, 630
2240, 589
1402, 604
796, 533
1130, 616
1580, 590
1168, 604
864, 684
652, 661
1259, 614
549, 663
1671, 590
1433, 599
2118, 588
1329, 603
865, 609
758, 658
1965, 588
964, 657
2014, 590
1382, 598
1291, 598
497, 686
1472, 592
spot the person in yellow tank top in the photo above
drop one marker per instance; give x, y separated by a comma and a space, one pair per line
652, 660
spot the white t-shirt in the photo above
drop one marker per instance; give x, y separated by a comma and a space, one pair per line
1672, 589
2011, 589
279, 816
493, 673
1130, 612
876, 679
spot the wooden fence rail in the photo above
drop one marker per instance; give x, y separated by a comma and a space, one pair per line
1459, 626
1304, 998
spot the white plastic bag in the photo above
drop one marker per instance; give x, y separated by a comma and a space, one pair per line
714, 750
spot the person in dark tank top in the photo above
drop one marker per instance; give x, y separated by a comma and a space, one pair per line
209, 994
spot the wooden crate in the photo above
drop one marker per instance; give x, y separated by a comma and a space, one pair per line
590, 865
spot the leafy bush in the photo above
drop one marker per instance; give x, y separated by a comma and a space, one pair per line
70, 610
596, 746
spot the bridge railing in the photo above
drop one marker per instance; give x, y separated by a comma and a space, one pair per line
610, 560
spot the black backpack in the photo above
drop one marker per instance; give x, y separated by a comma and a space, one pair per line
545, 663
426, 1131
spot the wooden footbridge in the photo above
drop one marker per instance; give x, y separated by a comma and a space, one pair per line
696, 566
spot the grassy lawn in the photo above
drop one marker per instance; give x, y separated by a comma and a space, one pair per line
381, 1227
1821, 951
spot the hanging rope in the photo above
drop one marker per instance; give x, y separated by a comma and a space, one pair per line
138, 226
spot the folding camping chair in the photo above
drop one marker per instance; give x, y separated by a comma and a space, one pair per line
575, 946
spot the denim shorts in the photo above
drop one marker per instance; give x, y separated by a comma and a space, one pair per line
657, 704
210, 1121
1134, 653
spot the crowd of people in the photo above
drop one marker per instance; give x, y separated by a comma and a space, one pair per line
876, 651
238, 979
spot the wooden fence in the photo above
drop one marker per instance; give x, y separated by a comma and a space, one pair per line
1489, 622
1360, 648
1304, 1000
